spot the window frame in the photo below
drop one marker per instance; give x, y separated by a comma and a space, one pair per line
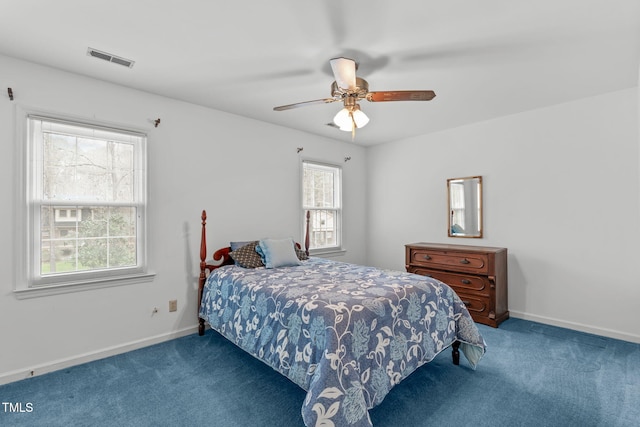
337, 208
28, 280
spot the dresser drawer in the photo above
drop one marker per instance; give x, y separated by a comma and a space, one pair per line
479, 307
476, 285
472, 294
450, 260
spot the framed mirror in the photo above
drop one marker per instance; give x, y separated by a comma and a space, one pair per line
465, 206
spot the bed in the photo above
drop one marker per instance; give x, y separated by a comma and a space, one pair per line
345, 333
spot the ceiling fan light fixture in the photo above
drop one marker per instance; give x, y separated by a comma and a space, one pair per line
350, 116
346, 128
343, 120
360, 118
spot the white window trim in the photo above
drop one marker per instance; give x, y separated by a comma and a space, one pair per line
23, 234
328, 251
82, 285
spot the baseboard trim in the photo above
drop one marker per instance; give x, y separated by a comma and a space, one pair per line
56, 365
610, 333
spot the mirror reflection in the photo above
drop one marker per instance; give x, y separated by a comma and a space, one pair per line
465, 206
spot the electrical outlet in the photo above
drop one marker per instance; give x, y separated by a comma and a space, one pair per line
173, 305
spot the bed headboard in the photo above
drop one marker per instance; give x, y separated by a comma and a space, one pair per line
221, 257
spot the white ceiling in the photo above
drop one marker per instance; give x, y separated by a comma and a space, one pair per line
483, 59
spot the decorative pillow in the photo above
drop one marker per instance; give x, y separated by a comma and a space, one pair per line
302, 255
246, 256
278, 252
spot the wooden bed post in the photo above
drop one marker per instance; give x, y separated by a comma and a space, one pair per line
306, 236
203, 266
455, 352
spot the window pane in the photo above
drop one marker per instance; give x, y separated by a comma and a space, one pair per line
59, 152
122, 252
122, 159
92, 170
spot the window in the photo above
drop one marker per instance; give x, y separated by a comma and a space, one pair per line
457, 206
321, 196
85, 204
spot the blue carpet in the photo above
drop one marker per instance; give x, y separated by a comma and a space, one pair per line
532, 375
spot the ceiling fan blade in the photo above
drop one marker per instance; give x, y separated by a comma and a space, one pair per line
304, 104
344, 71
401, 95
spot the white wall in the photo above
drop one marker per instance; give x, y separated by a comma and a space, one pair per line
561, 192
245, 173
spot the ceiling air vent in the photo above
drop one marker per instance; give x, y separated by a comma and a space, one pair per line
110, 58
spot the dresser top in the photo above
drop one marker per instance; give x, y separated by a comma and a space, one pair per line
451, 247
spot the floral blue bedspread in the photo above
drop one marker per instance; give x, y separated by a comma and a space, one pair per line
344, 333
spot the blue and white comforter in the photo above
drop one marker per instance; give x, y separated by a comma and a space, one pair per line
344, 333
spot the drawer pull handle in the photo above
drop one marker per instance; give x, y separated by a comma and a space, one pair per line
464, 261
427, 257
466, 281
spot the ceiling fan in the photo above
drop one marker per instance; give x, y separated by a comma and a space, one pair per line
350, 89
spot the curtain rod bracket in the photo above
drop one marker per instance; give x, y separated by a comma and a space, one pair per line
300, 149
346, 159
156, 122
10, 92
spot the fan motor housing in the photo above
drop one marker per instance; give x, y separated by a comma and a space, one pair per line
361, 90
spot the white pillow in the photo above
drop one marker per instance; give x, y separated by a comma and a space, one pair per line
278, 253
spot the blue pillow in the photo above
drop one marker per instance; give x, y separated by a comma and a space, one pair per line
278, 253
237, 245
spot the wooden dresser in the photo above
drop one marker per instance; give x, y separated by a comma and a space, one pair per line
477, 274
